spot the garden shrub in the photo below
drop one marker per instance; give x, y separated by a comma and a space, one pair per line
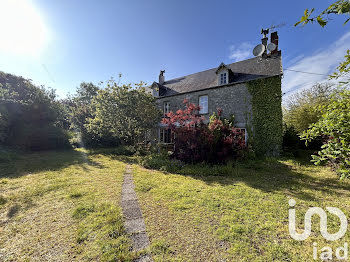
334, 127
161, 162
196, 141
7, 155
30, 116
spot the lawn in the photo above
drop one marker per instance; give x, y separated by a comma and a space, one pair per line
241, 215
65, 206
62, 206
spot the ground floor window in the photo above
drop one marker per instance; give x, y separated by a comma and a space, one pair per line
166, 136
244, 131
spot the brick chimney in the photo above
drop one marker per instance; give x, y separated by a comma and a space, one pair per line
274, 39
161, 77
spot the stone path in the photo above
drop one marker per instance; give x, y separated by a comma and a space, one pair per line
134, 223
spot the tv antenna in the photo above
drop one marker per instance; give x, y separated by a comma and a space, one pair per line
272, 27
265, 32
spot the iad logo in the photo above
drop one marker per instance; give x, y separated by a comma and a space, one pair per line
323, 222
327, 251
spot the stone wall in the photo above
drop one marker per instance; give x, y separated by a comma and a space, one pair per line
233, 99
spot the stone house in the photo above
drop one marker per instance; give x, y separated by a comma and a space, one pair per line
225, 87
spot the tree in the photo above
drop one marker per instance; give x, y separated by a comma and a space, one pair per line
80, 109
30, 115
123, 114
305, 108
340, 7
334, 127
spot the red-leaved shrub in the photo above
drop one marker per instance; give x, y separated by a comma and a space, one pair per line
196, 141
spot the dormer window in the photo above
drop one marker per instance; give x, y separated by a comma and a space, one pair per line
223, 78
223, 74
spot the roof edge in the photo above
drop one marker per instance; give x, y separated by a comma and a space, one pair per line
220, 86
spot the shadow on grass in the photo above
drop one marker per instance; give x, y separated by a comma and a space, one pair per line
32, 162
296, 179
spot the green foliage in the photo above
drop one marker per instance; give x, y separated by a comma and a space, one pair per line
267, 115
340, 7
80, 110
123, 113
334, 126
306, 107
161, 162
343, 68
123, 150
7, 155
30, 116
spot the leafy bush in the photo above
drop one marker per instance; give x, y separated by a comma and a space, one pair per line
304, 108
119, 150
7, 155
30, 116
197, 142
161, 162
334, 127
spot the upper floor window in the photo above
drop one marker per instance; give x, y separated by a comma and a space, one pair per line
203, 104
166, 108
223, 78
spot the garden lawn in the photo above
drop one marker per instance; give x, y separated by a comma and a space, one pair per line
238, 213
61, 206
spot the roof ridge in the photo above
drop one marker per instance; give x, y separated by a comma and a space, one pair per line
209, 69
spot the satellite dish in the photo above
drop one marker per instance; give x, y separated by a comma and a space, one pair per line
271, 47
258, 50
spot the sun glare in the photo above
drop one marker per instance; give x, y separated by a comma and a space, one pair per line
22, 29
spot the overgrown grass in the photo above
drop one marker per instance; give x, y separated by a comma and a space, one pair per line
239, 211
62, 206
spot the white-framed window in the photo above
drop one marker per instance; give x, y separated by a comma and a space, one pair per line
166, 108
245, 135
223, 78
203, 104
166, 136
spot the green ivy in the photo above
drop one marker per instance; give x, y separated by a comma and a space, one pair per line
267, 115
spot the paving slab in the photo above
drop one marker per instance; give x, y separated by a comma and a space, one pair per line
140, 241
135, 225
134, 222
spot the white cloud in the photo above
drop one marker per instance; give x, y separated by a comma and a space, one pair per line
241, 52
324, 61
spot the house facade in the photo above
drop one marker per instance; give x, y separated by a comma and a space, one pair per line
230, 88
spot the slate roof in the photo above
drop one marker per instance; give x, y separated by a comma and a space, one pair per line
244, 71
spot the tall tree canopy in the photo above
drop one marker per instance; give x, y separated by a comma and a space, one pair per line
305, 107
30, 116
124, 113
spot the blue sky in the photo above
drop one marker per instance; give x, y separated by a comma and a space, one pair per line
62, 43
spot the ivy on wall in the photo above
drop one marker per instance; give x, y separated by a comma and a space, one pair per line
267, 115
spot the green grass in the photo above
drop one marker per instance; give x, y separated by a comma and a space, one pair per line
62, 206
237, 212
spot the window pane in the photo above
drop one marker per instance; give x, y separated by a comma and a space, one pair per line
166, 108
203, 103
